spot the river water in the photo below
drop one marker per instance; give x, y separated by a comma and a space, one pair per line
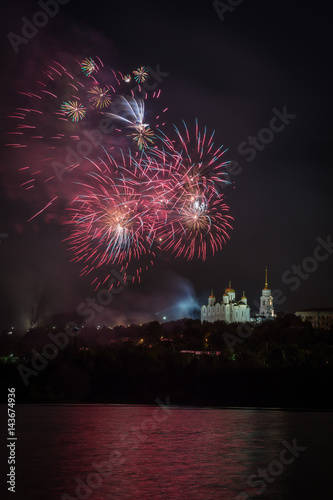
134, 452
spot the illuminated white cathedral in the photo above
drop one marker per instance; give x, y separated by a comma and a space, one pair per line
231, 310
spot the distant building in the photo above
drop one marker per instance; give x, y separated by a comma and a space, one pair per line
232, 311
229, 310
319, 318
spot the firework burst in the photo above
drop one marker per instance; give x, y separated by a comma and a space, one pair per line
111, 221
194, 158
88, 66
100, 98
140, 75
74, 110
137, 199
142, 135
197, 224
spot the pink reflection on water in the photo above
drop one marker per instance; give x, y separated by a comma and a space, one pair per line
181, 454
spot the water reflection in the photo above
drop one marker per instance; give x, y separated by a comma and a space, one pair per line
175, 454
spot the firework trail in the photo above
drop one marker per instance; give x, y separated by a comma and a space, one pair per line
131, 113
195, 159
53, 124
55, 113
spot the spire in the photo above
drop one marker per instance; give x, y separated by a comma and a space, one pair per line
266, 281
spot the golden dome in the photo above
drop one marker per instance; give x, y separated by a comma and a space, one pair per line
243, 297
230, 290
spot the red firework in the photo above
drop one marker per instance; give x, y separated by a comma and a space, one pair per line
197, 224
195, 159
165, 196
111, 221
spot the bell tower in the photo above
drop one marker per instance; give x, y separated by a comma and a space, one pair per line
266, 300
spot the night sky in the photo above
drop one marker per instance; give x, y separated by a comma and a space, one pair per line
234, 76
